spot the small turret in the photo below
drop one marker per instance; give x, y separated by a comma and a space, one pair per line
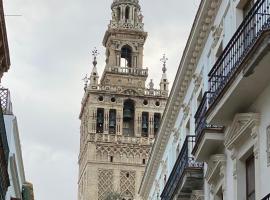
164, 84
94, 74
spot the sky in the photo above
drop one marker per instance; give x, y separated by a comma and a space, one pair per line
50, 49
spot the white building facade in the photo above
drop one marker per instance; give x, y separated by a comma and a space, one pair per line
15, 162
214, 139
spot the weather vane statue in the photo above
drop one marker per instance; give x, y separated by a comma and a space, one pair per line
164, 60
95, 53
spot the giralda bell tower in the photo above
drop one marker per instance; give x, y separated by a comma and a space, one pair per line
120, 116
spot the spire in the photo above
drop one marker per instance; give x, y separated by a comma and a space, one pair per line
95, 54
94, 74
164, 84
164, 60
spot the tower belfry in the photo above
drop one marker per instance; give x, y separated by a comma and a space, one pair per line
120, 115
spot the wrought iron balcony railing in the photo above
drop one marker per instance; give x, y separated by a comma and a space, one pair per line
229, 63
267, 197
184, 161
4, 155
5, 101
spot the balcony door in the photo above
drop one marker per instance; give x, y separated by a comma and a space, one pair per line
250, 178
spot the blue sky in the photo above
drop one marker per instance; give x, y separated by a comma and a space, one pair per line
50, 47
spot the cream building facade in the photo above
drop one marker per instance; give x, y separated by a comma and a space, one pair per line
213, 141
120, 116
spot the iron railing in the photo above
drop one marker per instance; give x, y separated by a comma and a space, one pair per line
5, 101
4, 155
200, 118
228, 64
185, 160
267, 197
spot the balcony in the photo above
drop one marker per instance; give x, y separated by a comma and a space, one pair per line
186, 176
266, 197
243, 62
128, 71
4, 154
208, 137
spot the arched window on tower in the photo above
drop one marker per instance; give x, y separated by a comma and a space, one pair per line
118, 14
128, 118
112, 121
127, 13
126, 53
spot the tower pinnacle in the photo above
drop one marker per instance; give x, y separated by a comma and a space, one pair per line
164, 60
164, 81
94, 74
95, 53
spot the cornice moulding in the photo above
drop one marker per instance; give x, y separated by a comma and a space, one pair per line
200, 29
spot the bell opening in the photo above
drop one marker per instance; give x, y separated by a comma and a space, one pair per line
128, 118
112, 121
145, 124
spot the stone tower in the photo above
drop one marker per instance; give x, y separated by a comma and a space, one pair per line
120, 115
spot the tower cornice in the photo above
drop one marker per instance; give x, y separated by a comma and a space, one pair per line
111, 32
131, 2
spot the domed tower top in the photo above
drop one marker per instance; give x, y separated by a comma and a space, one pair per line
126, 14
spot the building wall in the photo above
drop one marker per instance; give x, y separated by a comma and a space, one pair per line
226, 21
262, 106
15, 167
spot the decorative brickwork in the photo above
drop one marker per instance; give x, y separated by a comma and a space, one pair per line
105, 183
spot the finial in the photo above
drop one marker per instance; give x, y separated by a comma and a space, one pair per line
95, 53
151, 84
164, 60
85, 79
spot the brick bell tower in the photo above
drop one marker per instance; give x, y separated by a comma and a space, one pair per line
120, 116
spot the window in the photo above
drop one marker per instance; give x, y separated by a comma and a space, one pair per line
100, 120
219, 195
177, 150
143, 161
157, 117
127, 12
247, 7
145, 122
188, 127
219, 51
118, 14
111, 158
112, 121
199, 99
128, 118
250, 178
126, 53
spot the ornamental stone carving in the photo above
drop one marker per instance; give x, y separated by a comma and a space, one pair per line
243, 124
216, 34
105, 183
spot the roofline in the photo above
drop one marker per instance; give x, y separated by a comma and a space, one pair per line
173, 104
